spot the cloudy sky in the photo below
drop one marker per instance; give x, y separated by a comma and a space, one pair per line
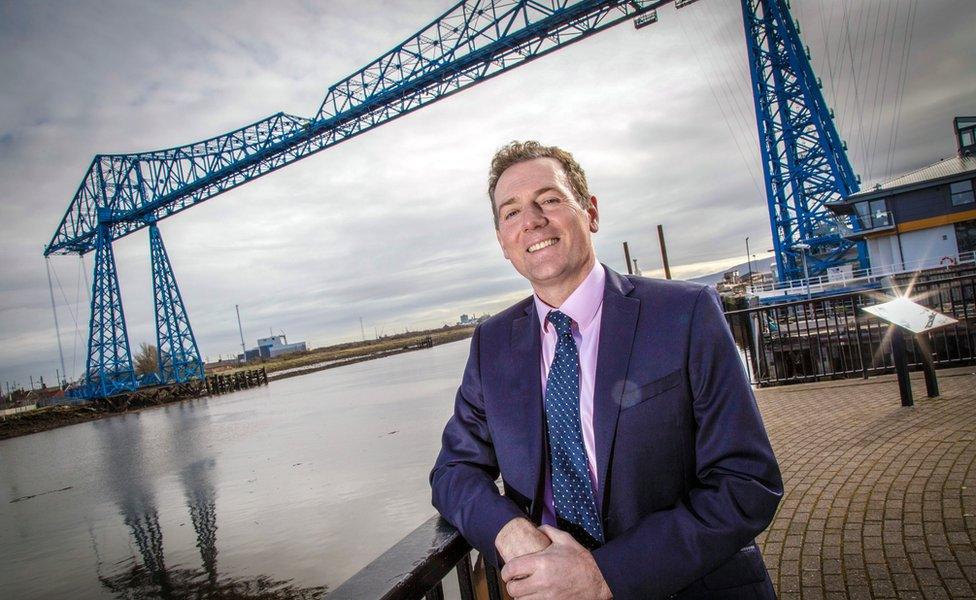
394, 226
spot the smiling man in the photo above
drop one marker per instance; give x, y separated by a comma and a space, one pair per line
633, 457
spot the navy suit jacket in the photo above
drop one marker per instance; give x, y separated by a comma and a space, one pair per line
686, 473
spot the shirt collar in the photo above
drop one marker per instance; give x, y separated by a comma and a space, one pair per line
582, 305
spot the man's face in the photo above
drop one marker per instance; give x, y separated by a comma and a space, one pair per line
542, 230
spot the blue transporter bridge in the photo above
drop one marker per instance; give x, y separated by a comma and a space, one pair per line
804, 161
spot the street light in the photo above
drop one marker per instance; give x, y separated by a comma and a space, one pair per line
749, 259
802, 248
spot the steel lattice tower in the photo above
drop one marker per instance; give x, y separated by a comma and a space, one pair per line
178, 356
805, 163
109, 369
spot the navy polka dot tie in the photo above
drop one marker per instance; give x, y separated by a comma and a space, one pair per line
572, 493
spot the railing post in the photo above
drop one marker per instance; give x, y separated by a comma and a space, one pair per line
435, 593
857, 337
465, 585
491, 575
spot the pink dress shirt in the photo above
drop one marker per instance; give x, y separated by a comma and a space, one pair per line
585, 307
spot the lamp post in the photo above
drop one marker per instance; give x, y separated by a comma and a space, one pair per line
749, 259
802, 248
241, 330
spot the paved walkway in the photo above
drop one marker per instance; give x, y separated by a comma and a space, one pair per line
880, 500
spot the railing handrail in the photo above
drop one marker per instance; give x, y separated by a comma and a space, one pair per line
845, 294
862, 274
411, 567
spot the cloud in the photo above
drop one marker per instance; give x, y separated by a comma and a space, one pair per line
393, 226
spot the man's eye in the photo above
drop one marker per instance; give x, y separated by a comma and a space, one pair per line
510, 214
550, 200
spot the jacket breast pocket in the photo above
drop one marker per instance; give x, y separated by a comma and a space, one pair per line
645, 392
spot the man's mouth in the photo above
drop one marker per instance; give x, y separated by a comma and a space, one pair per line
543, 244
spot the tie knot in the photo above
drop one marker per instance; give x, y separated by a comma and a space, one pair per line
560, 321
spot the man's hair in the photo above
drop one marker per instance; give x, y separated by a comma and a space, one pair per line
516, 152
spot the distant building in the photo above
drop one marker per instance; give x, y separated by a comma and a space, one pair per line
272, 347
923, 219
467, 319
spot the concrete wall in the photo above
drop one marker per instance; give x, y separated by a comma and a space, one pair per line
287, 349
883, 252
929, 245
13, 411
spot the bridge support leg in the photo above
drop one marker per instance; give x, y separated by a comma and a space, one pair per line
109, 368
805, 164
178, 356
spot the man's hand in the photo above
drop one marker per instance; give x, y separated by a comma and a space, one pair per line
519, 536
563, 570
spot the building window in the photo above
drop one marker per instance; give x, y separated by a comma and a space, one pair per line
966, 138
966, 236
961, 192
863, 212
879, 213
872, 214
966, 134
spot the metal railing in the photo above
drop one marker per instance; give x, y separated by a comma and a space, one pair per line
822, 282
831, 337
416, 566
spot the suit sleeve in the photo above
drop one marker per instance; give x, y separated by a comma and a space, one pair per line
739, 483
463, 479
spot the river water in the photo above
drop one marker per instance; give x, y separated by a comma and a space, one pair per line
282, 491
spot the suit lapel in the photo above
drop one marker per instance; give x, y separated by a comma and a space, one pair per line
618, 325
526, 392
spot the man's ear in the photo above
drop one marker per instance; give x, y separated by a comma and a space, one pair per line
594, 214
498, 236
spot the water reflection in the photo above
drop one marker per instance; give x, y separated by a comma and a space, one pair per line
265, 491
130, 483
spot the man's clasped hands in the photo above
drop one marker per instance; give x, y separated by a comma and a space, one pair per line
546, 563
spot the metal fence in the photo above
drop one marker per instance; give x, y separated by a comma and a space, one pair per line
832, 338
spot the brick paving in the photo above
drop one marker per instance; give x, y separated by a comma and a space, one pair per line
880, 500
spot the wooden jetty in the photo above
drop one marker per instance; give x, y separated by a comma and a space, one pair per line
239, 380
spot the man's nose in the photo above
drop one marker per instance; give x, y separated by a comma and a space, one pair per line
533, 218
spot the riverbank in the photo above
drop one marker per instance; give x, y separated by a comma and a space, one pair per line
336, 355
52, 417
61, 415
330, 357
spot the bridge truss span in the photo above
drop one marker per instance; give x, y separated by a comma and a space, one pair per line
472, 42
